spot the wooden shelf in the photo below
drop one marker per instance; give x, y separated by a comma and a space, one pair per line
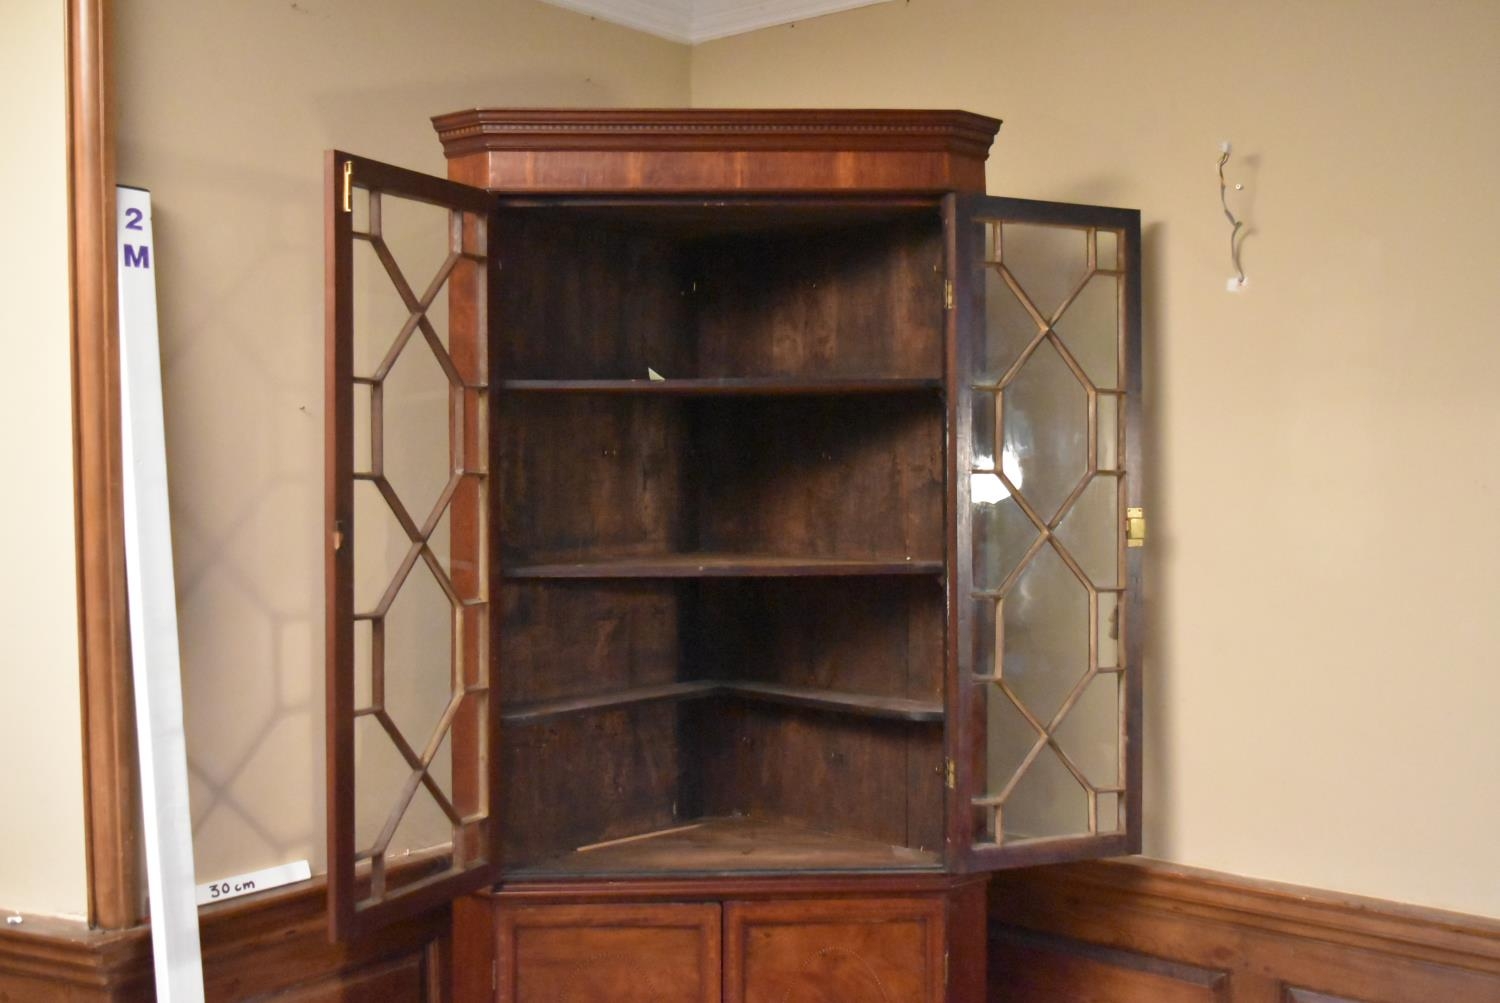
896, 708
716, 565
747, 386
542, 709
859, 704
739, 844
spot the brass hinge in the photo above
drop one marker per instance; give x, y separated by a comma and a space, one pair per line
348, 186
947, 294
945, 969
952, 774
1135, 527
338, 534
495, 976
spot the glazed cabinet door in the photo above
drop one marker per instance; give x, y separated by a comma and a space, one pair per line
1045, 401
835, 951
608, 954
411, 557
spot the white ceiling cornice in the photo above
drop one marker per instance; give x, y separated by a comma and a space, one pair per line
693, 21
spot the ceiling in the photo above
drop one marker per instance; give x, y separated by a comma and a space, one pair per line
693, 21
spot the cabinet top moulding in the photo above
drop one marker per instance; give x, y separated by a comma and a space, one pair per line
572, 150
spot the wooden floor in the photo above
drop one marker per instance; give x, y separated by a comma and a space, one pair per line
719, 845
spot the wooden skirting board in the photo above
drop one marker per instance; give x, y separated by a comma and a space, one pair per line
1134, 930
1115, 932
272, 946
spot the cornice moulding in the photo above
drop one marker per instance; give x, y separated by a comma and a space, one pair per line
692, 21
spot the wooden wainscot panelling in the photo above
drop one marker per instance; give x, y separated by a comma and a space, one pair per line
268, 947
1136, 930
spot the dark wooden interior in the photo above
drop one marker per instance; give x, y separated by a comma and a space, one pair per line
722, 491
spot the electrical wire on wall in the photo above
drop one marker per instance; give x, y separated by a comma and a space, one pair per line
1237, 282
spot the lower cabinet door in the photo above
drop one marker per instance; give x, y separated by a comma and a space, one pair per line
609, 954
834, 951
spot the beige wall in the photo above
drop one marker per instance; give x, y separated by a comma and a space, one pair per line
225, 109
42, 860
1323, 697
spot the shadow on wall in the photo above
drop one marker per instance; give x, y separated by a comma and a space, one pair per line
240, 240
1157, 680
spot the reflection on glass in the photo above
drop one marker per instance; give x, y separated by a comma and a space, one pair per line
986, 641
1090, 733
1090, 328
984, 430
1110, 608
1048, 801
1090, 531
1046, 429
1046, 618
1000, 530
1055, 630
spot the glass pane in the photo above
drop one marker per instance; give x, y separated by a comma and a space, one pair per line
984, 431
1091, 531
1107, 431
379, 772
986, 640
1107, 253
1090, 328
423, 826
1049, 262
1009, 328
380, 545
361, 397
1009, 739
415, 430
1090, 733
418, 656
1052, 347
1001, 531
1109, 812
1046, 649
418, 237
1109, 630
1048, 801
364, 656
379, 313
1046, 430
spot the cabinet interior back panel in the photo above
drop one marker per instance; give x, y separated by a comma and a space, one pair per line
597, 297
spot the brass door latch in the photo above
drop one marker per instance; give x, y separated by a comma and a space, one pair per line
1135, 527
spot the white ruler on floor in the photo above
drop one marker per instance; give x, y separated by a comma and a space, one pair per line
155, 661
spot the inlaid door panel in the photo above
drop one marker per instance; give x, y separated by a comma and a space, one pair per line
609, 954
855, 951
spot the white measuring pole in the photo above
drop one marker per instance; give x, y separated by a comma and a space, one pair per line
153, 615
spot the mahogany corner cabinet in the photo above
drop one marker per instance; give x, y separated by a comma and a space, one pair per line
731, 550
